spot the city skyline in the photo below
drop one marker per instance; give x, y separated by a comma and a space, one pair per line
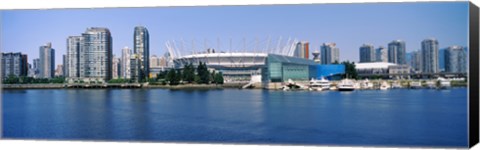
410, 22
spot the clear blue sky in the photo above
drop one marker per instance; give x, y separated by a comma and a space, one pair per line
348, 25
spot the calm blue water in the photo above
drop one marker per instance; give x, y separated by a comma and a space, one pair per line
425, 118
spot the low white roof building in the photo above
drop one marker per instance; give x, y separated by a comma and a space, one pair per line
373, 65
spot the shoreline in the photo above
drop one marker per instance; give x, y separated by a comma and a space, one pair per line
140, 86
119, 86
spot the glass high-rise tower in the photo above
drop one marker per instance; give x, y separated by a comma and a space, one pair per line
397, 52
455, 59
329, 53
47, 61
141, 48
89, 56
429, 55
367, 53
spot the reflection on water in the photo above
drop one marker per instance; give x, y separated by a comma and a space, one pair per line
392, 117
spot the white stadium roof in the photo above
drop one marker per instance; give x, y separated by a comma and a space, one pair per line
374, 65
230, 54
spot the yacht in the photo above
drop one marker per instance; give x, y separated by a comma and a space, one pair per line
415, 85
384, 86
320, 85
396, 85
346, 85
444, 83
431, 84
366, 84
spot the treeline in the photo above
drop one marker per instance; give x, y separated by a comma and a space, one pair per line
11, 79
189, 75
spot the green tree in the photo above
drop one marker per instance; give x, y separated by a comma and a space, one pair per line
350, 71
202, 72
172, 77
162, 75
218, 79
188, 73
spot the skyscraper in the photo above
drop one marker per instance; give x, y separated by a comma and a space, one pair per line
90, 55
441, 59
116, 67
301, 50
429, 56
397, 52
381, 54
96, 55
73, 56
329, 53
141, 49
14, 64
47, 61
64, 66
455, 59
36, 68
59, 71
367, 53
154, 61
125, 63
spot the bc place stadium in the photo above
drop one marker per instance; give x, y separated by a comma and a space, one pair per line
255, 61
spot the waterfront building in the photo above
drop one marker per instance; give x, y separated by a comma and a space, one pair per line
125, 63
329, 53
36, 68
154, 61
96, 55
163, 62
456, 59
441, 59
415, 60
429, 56
135, 72
381, 54
47, 61
367, 53
59, 71
14, 64
397, 52
399, 71
31, 71
90, 56
373, 68
316, 56
269, 66
116, 67
64, 66
141, 49
302, 49
74, 44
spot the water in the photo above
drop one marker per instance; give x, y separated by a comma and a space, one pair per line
424, 118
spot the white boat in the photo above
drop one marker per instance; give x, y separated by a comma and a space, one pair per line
384, 86
320, 85
346, 85
415, 85
366, 84
431, 84
444, 83
396, 85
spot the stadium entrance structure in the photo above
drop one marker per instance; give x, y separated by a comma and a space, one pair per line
237, 64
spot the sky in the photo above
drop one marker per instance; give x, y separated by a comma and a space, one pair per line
348, 25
